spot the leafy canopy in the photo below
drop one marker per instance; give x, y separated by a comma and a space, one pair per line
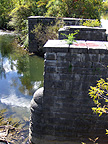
99, 94
73, 8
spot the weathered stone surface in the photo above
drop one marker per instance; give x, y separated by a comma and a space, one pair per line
36, 118
33, 20
62, 114
85, 33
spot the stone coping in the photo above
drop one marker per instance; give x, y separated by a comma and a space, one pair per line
64, 18
42, 17
80, 27
80, 46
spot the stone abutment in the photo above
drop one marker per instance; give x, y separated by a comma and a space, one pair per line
61, 111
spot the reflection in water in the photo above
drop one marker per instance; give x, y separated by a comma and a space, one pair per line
15, 100
20, 76
9, 67
2, 70
5, 49
29, 69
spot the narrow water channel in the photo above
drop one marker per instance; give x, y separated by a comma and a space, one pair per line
20, 76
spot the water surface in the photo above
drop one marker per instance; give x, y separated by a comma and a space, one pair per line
20, 76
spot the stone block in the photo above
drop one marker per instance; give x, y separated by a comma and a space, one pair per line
50, 56
50, 69
50, 62
85, 33
80, 50
63, 70
64, 113
52, 76
92, 57
77, 57
63, 64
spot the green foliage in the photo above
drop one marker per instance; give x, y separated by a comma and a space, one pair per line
84, 8
99, 94
55, 8
5, 8
19, 16
19, 22
41, 5
44, 33
105, 5
20, 10
92, 23
73, 8
16, 12
70, 38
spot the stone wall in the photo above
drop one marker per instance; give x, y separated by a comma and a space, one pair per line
33, 20
61, 113
85, 33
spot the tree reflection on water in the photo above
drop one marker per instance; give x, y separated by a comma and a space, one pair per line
2, 70
5, 49
20, 76
26, 65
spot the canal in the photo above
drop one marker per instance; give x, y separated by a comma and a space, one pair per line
21, 75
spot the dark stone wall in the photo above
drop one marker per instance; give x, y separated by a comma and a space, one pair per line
33, 20
66, 115
85, 33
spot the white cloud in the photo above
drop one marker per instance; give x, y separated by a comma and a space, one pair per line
15, 100
7, 66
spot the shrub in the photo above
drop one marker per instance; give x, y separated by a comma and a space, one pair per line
84, 8
99, 94
73, 8
92, 23
19, 15
55, 8
44, 33
20, 23
70, 38
5, 8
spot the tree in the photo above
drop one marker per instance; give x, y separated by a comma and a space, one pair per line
84, 8
99, 94
73, 8
105, 5
55, 8
5, 8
